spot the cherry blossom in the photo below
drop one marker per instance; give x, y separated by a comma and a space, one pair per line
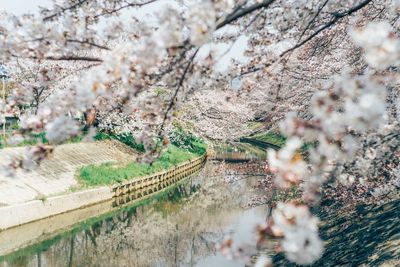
300, 233
61, 129
287, 163
323, 72
381, 51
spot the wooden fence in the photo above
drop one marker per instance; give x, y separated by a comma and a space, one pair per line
143, 186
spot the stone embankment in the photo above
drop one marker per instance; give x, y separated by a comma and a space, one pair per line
55, 177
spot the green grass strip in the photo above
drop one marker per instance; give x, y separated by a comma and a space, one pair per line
108, 173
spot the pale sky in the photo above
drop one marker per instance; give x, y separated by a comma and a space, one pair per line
19, 7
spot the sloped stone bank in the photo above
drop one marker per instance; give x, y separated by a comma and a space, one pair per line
136, 188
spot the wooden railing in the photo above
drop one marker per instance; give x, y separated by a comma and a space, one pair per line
143, 186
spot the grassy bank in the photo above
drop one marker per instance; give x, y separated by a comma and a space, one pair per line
40, 138
271, 138
184, 146
31, 140
279, 140
109, 173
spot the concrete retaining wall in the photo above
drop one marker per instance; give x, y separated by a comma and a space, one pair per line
37, 209
160, 180
15, 215
34, 232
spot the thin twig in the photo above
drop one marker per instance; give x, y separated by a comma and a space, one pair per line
243, 12
313, 19
336, 17
63, 10
88, 43
123, 7
71, 58
172, 101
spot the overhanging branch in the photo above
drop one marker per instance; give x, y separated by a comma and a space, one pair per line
335, 18
243, 12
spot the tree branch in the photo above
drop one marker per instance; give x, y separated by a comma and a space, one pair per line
123, 7
313, 19
243, 12
336, 17
72, 58
172, 101
88, 43
50, 17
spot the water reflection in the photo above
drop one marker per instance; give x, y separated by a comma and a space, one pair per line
179, 229
238, 152
182, 227
367, 236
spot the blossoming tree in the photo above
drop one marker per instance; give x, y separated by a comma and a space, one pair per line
332, 64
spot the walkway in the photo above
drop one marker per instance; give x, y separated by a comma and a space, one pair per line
57, 174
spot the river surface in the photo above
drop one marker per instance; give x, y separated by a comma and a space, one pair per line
179, 228
185, 225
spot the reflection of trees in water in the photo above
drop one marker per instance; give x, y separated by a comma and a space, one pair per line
369, 236
176, 231
184, 227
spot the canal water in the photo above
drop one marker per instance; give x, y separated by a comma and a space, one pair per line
185, 225
181, 227
365, 236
